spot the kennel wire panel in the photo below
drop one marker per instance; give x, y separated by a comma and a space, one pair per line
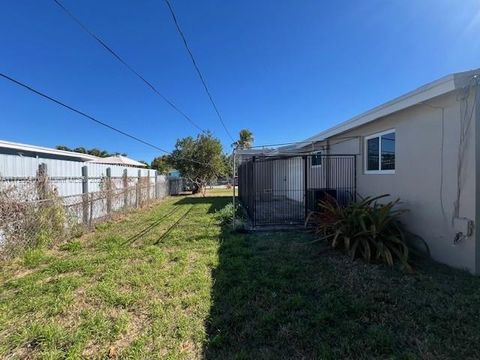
282, 190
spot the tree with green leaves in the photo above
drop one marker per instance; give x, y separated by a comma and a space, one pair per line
162, 164
228, 161
245, 140
93, 151
63, 147
80, 149
98, 152
199, 160
147, 165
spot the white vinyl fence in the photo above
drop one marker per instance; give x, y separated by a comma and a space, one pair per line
42, 199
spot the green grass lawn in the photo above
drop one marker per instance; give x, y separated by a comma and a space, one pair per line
139, 288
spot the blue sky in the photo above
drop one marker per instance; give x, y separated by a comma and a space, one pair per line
284, 69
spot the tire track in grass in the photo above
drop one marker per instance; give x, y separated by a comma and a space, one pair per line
173, 226
149, 228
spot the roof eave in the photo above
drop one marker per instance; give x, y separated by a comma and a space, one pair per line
424, 93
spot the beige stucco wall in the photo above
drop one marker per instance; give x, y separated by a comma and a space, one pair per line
418, 173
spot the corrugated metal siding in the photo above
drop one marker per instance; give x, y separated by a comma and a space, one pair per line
66, 175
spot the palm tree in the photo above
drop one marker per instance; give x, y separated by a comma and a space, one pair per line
245, 140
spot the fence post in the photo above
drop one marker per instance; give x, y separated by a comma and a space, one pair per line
85, 209
354, 178
254, 180
148, 186
306, 202
233, 183
327, 166
156, 185
137, 200
92, 204
109, 191
42, 179
125, 188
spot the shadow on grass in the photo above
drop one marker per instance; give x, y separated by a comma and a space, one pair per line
277, 296
216, 202
264, 298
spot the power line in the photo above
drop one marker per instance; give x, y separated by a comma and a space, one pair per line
104, 124
202, 79
304, 143
281, 144
129, 67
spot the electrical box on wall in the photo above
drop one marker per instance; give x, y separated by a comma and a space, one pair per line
463, 226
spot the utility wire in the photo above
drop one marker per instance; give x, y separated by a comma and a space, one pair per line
129, 67
202, 79
281, 144
302, 142
104, 124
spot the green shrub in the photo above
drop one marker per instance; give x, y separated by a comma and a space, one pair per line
225, 215
364, 228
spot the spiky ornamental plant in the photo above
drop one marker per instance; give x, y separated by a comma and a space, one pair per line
364, 228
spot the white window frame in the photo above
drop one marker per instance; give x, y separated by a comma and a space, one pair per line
365, 151
318, 165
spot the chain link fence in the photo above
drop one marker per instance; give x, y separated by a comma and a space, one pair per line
32, 213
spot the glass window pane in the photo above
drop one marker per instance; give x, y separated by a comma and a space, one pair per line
388, 151
373, 153
317, 159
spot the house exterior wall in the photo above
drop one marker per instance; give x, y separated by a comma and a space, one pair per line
425, 177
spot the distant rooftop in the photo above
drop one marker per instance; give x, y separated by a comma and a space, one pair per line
118, 160
29, 150
13, 148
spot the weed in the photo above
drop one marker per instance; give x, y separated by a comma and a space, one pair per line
72, 246
33, 257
